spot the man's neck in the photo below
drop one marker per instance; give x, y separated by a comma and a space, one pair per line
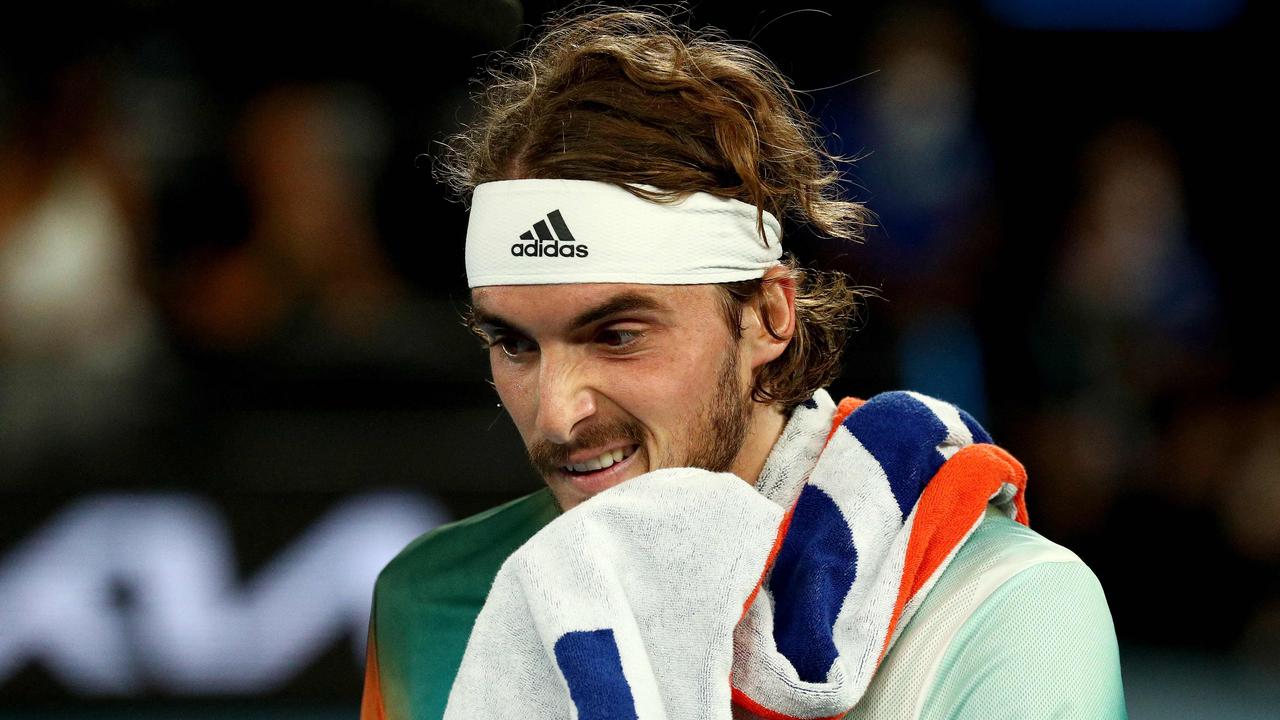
767, 422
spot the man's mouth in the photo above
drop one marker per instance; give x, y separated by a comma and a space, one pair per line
603, 461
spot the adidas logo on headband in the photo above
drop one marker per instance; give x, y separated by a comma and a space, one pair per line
561, 244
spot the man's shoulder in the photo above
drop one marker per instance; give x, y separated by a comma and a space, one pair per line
473, 546
1001, 542
999, 553
1004, 559
981, 634
1006, 568
1039, 622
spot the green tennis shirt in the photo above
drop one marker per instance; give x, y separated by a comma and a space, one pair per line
1015, 627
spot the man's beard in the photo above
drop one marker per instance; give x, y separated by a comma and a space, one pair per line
716, 437
722, 424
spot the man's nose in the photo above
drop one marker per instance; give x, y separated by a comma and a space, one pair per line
564, 398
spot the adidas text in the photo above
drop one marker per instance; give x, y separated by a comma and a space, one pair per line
548, 250
545, 244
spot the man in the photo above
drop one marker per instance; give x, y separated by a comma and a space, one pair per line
717, 536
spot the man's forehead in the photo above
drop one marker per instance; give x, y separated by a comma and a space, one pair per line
577, 304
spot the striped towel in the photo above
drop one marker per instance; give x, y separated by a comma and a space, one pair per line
684, 593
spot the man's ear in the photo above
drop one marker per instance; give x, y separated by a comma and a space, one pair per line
771, 317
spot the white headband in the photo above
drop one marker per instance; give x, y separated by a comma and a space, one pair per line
541, 232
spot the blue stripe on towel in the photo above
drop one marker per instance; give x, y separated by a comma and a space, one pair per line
811, 577
591, 664
903, 435
975, 429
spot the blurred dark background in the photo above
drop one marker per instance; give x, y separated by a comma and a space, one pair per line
233, 381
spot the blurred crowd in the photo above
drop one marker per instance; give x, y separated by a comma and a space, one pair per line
1149, 451
194, 235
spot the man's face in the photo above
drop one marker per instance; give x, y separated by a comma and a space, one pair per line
609, 381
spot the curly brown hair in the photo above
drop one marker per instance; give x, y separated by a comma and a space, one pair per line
631, 96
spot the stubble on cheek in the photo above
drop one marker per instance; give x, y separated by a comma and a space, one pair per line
722, 422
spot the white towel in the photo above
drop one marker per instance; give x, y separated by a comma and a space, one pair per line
684, 593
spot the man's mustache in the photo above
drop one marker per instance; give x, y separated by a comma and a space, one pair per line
547, 457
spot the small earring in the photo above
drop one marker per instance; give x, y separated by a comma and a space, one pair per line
499, 404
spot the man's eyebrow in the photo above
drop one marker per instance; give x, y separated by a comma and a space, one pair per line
626, 302
480, 319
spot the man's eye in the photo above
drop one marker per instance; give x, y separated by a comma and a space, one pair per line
514, 346
618, 338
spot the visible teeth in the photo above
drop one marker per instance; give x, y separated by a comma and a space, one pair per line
602, 462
